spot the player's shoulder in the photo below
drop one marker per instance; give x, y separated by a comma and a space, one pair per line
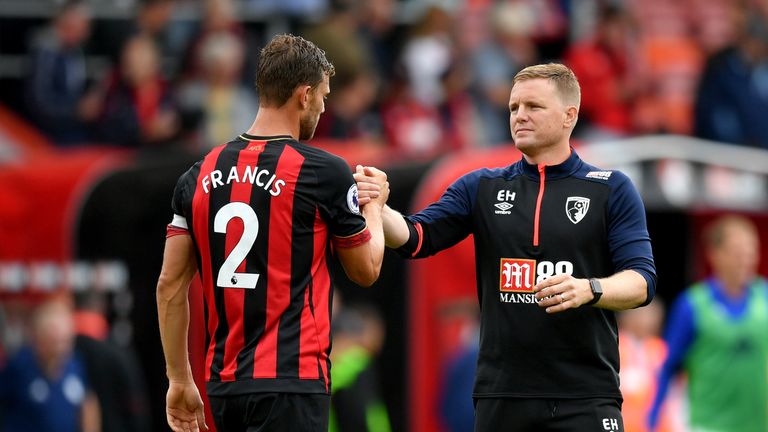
191, 174
311, 152
475, 176
610, 177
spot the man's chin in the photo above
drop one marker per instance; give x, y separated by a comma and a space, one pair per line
523, 144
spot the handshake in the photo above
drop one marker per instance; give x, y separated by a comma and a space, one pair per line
372, 186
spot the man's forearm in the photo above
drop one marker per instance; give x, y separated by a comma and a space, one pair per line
624, 290
373, 219
173, 315
179, 268
396, 231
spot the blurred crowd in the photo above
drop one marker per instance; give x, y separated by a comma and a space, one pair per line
421, 77
416, 77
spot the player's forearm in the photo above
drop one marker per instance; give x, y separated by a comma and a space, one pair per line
624, 290
173, 316
396, 231
373, 218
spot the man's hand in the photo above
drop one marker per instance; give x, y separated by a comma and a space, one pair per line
561, 292
372, 185
184, 408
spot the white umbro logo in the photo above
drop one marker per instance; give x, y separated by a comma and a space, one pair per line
505, 202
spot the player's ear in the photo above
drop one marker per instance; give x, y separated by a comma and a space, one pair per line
304, 93
571, 115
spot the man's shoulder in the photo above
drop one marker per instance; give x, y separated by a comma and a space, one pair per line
610, 177
317, 154
475, 176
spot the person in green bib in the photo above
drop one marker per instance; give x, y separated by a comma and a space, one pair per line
356, 402
717, 333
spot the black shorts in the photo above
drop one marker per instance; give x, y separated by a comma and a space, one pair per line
271, 412
548, 415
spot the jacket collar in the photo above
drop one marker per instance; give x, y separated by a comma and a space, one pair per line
564, 169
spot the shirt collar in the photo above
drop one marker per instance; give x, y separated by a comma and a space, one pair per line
564, 169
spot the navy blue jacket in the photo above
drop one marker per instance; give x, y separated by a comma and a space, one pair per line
530, 223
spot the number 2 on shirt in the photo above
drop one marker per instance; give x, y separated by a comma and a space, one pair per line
228, 277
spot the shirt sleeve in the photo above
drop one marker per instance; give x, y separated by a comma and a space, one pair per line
338, 204
443, 223
178, 225
628, 239
679, 336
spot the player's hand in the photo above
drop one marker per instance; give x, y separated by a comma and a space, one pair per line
372, 185
562, 292
184, 408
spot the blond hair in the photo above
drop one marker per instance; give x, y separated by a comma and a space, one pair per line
559, 74
715, 232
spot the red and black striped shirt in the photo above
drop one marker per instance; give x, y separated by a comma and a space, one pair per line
261, 212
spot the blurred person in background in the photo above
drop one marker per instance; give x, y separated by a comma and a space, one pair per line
257, 218
494, 64
219, 17
427, 111
642, 351
222, 106
732, 99
356, 404
602, 64
136, 106
349, 112
457, 409
112, 371
153, 19
377, 27
716, 334
43, 387
56, 82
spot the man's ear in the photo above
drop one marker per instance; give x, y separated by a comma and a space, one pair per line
304, 93
571, 115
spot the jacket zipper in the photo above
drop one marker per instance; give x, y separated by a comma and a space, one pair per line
537, 215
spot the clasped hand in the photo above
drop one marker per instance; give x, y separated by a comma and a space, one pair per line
372, 185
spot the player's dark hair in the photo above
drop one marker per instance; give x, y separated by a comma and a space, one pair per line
287, 62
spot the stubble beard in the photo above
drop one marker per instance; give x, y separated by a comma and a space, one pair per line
307, 127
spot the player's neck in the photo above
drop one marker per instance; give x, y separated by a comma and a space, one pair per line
275, 121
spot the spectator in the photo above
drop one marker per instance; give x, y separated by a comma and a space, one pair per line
428, 112
154, 20
457, 410
376, 26
57, 75
219, 17
43, 387
137, 106
602, 64
716, 333
226, 108
732, 100
356, 404
495, 63
350, 105
111, 370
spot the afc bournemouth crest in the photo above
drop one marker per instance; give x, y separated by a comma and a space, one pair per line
576, 208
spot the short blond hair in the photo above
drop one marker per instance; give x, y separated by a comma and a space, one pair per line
559, 74
716, 232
